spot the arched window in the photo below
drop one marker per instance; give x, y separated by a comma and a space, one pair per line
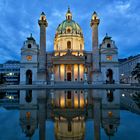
29, 45
68, 45
108, 45
68, 17
28, 77
68, 30
42, 18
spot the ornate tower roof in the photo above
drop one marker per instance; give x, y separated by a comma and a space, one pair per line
94, 19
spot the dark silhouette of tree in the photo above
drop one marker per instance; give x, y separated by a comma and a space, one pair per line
136, 98
136, 72
1, 78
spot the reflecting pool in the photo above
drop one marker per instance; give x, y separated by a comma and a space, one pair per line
70, 115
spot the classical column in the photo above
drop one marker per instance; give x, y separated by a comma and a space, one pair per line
65, 93
78, 99
72, 72
83, 66
64, 72
72, 99
78, 73
59, 97
59, 73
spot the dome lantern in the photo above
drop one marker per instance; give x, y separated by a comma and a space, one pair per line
68, 15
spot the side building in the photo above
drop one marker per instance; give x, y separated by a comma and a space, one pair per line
126, 66
9, 72
10, 75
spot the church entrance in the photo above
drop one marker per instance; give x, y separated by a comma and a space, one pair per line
28, 77
69, 76
109, 76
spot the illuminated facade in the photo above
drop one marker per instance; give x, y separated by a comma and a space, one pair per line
69, 61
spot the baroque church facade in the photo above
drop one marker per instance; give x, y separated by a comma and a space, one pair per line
69, 61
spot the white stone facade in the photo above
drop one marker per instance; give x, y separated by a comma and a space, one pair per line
69, 61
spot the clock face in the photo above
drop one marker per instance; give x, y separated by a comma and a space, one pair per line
29, 57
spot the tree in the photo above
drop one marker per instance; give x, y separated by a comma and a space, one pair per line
1, 78
136, 72
136, 98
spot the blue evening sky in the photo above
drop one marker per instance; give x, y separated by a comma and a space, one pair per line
119, 18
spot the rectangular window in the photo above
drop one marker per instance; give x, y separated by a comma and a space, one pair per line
109, 57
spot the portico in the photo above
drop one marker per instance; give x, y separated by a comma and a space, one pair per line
68, 72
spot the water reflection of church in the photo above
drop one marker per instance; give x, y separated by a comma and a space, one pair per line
69, 61
70, 115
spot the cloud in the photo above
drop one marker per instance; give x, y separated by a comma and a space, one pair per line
58, 14
120, 7
123, 7
120, 19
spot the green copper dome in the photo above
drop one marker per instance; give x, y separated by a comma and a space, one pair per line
69, 26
